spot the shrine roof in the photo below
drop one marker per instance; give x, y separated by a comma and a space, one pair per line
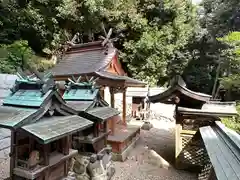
24, 97
129, 82
84, 59
221, 109
80, 105
81, 94
103, 113
178, 85
52, 128
11, 117
137, 92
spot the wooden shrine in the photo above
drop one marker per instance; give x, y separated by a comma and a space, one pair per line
41, 125
190, 152
84, 96
99, 59
193, 111
140, 105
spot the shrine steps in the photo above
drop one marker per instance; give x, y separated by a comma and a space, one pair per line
123, 141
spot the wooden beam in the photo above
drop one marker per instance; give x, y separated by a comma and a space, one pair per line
12, 153
124, 106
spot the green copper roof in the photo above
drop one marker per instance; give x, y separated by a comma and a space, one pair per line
11, 117
32, 98
80, 94
53, 128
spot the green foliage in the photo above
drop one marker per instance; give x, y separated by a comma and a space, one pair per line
232, 80
233, 123
159, 38
221, 16
155, 32
19, 54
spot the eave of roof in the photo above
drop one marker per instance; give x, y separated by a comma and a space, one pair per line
161, 97
103, 113
129, 82
11, 117
53, 128
216, 112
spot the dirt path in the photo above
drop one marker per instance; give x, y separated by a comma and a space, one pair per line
160, 139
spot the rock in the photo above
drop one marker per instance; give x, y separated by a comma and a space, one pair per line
155, 159
71, 164
83, 176
80, 164
97, 171
147, 126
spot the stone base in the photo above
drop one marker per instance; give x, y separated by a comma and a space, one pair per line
123, 141
147, 126
123, 156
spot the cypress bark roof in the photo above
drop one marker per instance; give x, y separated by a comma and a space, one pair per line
84, 59
53, 128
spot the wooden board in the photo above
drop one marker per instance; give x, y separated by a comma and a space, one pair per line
226, 165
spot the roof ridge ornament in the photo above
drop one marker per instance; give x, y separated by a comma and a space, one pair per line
91, 83
107, 40
44, 82
74, 39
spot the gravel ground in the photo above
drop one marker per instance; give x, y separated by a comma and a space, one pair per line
160, 139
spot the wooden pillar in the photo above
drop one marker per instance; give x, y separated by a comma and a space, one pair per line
112, 101
46, 149
66, 145
102, 92
112, 122
124, 106
12, 153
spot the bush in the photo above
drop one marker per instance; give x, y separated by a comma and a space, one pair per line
233, 123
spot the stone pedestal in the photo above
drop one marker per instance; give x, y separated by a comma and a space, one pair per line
147, 126
94, 166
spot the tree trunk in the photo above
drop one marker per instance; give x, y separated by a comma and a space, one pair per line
216, 79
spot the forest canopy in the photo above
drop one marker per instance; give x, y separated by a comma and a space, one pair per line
157, 39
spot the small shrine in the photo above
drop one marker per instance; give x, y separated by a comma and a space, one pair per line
41, 125
193, 111
99, 59
84, 95
140, 105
